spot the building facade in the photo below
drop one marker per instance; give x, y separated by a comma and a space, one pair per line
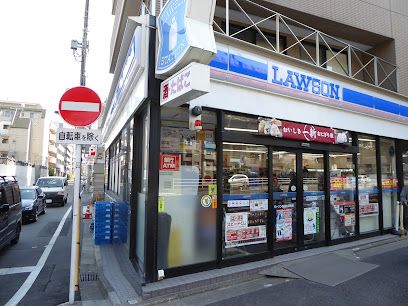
60, 158
303, 141
23, 134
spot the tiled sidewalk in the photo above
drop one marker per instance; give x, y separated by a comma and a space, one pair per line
123, 285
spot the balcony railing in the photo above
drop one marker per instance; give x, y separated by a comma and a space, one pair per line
254, 23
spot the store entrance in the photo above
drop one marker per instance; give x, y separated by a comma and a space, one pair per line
298, 199
291, 181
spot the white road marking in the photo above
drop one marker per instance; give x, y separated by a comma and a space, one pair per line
7, 271
80, 106
19, 295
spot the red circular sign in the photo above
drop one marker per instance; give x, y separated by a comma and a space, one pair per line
80, 106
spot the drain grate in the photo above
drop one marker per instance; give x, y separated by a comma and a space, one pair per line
88, 277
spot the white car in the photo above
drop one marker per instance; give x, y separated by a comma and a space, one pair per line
54, 188
238, 180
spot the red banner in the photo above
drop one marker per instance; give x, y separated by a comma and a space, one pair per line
305, 132
299, 131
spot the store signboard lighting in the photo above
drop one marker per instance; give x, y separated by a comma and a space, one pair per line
186, 85
185, 35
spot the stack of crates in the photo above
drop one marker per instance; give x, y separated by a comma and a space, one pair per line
120, 222
103, 223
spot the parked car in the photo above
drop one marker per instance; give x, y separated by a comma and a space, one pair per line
239, 180
33, 202
10, 211
54, 189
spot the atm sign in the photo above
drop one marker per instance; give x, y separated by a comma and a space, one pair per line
169, 162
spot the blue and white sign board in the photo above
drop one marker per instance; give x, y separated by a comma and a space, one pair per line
243, 68
185, 35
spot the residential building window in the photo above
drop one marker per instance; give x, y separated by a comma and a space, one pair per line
6, 126
4, 140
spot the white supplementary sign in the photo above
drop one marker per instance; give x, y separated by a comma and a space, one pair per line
79, 136
185, 35
186, 85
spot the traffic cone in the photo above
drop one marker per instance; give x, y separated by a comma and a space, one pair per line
87, 214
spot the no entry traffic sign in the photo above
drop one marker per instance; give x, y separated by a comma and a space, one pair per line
80, 106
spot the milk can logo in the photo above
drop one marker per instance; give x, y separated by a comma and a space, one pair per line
173, 41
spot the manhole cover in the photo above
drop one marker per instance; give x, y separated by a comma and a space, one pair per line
88, 277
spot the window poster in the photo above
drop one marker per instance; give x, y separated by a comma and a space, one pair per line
244, 228
349, 219
258, 204
284, 224
311, 220
177, 139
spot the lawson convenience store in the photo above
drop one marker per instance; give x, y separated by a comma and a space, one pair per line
290, 157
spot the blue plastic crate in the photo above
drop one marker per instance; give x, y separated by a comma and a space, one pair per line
103, 203
102, 235
102, 217
103, 241
102, 227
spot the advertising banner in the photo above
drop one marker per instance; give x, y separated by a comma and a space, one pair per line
246, 236
298, 131
283, 224
369, 209
311, 220
244, 228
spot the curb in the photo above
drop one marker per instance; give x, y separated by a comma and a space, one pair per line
113, 297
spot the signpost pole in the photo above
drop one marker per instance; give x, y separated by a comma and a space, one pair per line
73, 280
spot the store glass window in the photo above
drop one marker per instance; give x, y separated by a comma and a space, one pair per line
240, 124
342, 195
367, 184
187, 190
389, 181
123, 164
142, 188
245, 199
130, 159
106, 177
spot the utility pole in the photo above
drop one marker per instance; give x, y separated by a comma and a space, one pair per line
75, 242
84, 44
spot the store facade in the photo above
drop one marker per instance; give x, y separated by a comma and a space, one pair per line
290, 156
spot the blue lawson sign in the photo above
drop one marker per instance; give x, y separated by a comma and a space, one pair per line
173, 40
270, 72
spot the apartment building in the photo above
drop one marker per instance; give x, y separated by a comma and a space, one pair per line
60, 162
23, 134
304, 139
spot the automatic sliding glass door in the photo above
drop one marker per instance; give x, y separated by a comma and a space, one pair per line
284, 199
313, 198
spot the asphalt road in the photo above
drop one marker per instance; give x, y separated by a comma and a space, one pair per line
52, 284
